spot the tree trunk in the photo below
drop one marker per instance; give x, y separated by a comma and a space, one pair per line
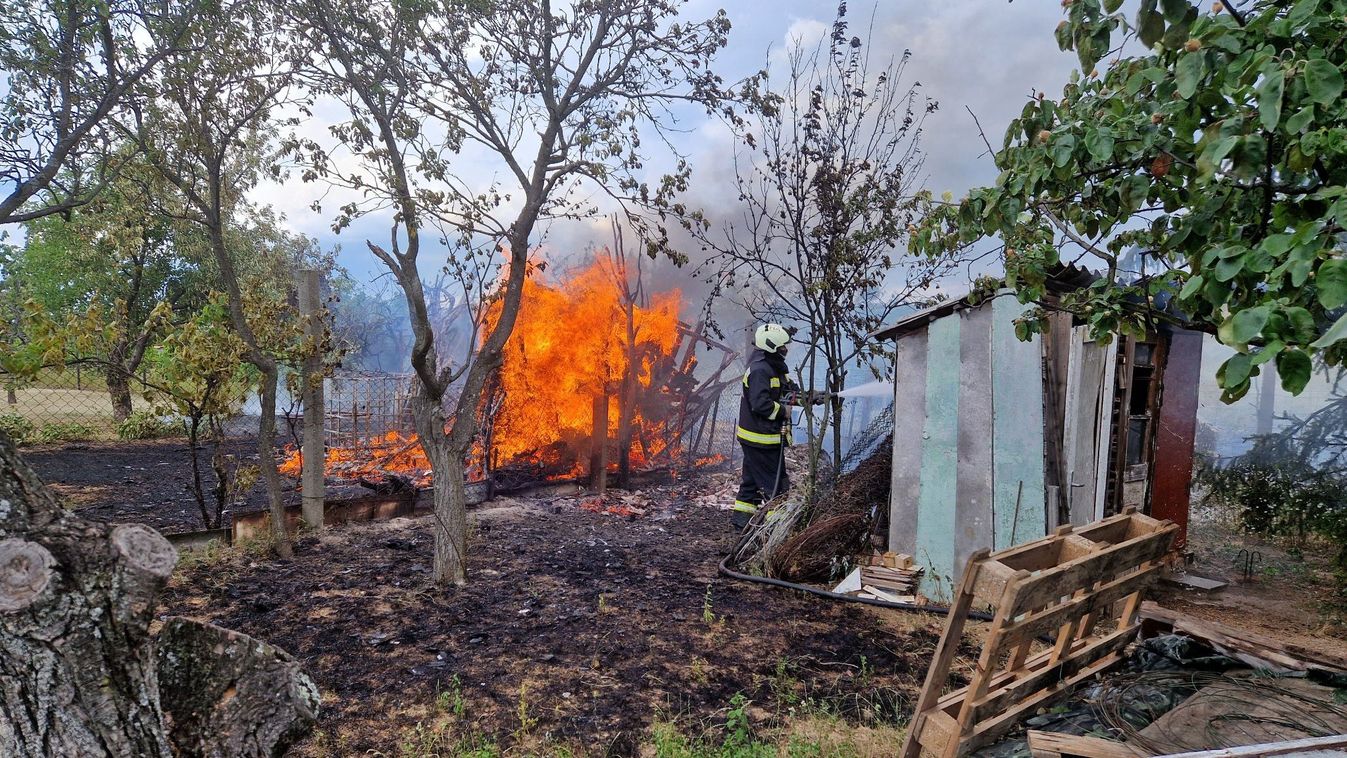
450, 500
837, 432
228, 694
77, 667
119, 389
266, 459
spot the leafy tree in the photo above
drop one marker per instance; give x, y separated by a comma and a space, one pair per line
198, 373
827, 176
556, 97
1207, 176
70, 66
206, 118
119, 261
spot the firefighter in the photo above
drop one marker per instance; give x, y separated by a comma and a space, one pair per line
764, 423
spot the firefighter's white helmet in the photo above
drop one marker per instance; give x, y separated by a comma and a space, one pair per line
770, 337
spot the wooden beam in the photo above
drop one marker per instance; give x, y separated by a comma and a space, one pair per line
1054, 745
1309, 745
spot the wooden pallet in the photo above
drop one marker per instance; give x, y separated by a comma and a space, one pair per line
1083, 584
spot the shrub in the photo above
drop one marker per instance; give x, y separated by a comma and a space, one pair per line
147, 425
17, 427
65, 432
1284, 499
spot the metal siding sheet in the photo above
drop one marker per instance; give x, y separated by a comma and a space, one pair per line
1177, 431
1017, 439
939, 461
909, 423
973, 497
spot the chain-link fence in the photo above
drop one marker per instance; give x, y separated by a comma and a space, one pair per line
73, 404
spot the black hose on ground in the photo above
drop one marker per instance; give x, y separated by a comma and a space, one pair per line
725, 570
934, 610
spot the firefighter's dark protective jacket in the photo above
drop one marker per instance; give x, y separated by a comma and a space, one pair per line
763, 413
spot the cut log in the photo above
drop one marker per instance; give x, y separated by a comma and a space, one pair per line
227, 695
76, 600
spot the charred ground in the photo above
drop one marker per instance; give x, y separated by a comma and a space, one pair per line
579, 629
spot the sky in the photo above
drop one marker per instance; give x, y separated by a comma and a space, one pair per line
985, 55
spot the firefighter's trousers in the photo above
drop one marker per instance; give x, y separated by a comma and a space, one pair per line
764, 477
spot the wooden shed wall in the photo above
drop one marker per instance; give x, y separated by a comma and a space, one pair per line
968, 466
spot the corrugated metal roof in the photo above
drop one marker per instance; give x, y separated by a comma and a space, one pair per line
1064, 279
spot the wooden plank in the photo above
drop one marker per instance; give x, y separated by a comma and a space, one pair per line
990, 731
991, 581
1017, 429
1104, 426
973, 503
1002, 699
1051, 744
1197, 583
1050, 584
882, 595
1031, 626
909, 422
1293, 747
1245, 645
938, 672
937, 730
936, 520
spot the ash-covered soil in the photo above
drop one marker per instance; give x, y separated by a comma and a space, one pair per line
577, 628
581, 625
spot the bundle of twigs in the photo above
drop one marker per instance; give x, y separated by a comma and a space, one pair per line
812, 535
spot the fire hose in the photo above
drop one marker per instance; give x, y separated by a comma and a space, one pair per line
725, 570
797, 397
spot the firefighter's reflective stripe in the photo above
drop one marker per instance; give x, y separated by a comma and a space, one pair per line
746, 378
749, 508
775, 382
776, 411
756, 437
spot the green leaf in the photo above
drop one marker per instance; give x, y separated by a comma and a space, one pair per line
1294, 367
1100, 144
1174, 9
1336, 332
1235, 371
1331, 282
1063, 145
1268, 352
1323, 80
1270, 95
1189, 73
1191, 287
1112, 6
1297, 123
1248, 324
1150, 24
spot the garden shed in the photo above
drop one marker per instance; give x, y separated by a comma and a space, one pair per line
998, 441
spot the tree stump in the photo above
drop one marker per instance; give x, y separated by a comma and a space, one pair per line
228, 695
79, 675
77, 672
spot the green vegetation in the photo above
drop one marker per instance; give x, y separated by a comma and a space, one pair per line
1208, 172
16, 427
65, 431
147, 425
1283, 498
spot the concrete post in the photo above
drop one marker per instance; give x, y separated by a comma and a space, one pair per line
315, 455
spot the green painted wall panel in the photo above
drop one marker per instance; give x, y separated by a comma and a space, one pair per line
939, 460
1017, 438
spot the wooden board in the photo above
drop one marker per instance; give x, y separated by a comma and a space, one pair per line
1310, 746
1054, 745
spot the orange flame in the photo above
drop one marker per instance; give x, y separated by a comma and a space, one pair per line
569, 344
